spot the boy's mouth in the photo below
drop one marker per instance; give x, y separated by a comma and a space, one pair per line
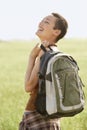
40, 29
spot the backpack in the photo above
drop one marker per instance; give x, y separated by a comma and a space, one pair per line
60, 91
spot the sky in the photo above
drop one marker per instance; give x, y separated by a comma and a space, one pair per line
19, 18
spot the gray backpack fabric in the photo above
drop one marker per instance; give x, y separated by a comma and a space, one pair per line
60, 87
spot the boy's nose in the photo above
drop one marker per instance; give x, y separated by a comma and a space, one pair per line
41, 23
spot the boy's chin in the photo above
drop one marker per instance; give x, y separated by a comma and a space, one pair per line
37, 34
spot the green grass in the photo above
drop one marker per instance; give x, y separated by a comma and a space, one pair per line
13, 62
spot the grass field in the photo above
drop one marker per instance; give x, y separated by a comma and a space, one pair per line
13, 62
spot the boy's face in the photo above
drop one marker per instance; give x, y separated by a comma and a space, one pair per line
46, 28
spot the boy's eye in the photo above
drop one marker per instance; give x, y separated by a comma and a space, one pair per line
46, 22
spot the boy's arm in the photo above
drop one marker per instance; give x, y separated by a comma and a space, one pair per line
31, 77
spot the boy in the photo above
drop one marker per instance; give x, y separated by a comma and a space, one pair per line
51, 29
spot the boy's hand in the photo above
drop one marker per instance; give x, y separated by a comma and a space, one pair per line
35, 51
45, 44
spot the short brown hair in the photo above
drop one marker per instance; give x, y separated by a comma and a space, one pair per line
60, 24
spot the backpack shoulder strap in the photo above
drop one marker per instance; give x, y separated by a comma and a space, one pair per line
44, 49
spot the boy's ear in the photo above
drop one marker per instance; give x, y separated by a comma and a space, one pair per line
57, 32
